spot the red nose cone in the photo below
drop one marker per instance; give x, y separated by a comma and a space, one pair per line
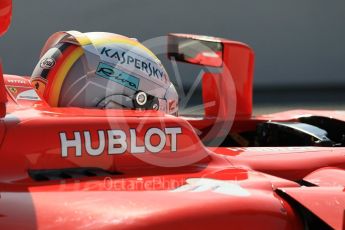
5, 15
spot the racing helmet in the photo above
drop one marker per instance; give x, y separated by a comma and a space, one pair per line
102, 70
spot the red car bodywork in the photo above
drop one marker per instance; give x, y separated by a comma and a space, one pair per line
48, 184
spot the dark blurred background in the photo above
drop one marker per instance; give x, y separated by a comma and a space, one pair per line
299, 45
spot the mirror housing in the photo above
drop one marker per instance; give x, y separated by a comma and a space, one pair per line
235, 62
5, 15
206, 52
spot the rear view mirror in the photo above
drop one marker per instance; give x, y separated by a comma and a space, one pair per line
5, 15
205, 52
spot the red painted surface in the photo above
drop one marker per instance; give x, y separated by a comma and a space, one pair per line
3, 96
328, 176
5, 15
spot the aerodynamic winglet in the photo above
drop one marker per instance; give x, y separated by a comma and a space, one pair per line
327, 203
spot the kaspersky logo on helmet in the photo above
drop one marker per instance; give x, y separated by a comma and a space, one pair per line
133, 61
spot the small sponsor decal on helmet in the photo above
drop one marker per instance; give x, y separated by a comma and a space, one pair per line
39, 84
113, 74
47, 63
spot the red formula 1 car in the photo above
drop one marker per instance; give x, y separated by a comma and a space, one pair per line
226, 169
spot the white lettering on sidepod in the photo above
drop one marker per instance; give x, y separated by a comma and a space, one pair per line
117, 143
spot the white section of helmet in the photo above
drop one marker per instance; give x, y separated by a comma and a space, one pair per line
114, 72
